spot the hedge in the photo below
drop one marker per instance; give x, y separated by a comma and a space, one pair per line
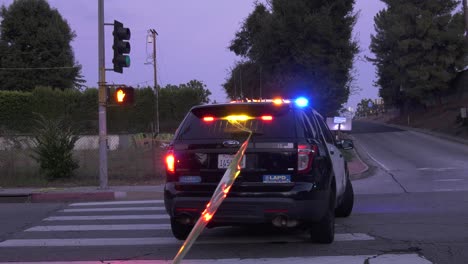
17, 111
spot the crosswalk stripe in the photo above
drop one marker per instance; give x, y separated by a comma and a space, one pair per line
105, 217
358, 259
119, 203
115, 209
98, 227
166, 241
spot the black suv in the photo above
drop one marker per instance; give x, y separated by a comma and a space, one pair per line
293, 172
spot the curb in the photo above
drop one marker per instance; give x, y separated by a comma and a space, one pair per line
54, 197
365, 172
366, 167
71, 197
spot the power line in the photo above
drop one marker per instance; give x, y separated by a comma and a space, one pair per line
40, 68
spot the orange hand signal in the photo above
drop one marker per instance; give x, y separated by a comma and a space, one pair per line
120, 96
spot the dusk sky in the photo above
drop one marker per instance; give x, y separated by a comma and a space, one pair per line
192, 42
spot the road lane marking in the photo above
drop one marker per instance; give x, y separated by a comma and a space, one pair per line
83, 242
449, 180
445, 190
374, 159
436, 169
378, 162
352, 237
104, 217
114, 209
98, 227
119, 203
357, 259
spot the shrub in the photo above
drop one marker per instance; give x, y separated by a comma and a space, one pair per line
54, 142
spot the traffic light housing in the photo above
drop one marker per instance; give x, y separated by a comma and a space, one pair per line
124, 96
121, 47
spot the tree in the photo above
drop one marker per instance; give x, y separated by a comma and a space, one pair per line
365, 107
176, 101
33, 35
418, 47
292, 48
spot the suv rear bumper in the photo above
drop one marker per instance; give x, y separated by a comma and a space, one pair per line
255, 208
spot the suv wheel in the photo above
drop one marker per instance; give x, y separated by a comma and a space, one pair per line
180, 231
323, 232
345, 208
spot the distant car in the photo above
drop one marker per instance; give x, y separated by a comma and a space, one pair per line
293, 172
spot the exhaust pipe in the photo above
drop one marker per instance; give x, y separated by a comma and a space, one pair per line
283, 221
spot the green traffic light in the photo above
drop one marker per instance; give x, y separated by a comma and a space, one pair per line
127, 61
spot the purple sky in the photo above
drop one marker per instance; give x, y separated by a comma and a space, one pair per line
192, 42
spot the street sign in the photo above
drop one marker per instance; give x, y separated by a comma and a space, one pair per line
339, 120
345, 126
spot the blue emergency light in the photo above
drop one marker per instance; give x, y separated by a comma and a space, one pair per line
302, 102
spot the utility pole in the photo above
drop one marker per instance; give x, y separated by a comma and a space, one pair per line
102, 100
240, 80
465, 10
261, 69
154, 33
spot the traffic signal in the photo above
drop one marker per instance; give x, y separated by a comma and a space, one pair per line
124, 96
121, 47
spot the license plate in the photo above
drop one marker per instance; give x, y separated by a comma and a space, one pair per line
224, 160
276, 178
190, 179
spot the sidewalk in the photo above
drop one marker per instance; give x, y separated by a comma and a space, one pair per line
89, 193
92, 193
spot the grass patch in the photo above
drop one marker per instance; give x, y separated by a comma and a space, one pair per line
349, 155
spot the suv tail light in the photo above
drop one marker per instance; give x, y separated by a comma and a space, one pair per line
170, 161
305, 157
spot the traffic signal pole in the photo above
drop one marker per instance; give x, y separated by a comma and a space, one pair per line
103, 178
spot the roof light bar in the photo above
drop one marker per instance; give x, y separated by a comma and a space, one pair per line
278, 101
302, 102
238, 118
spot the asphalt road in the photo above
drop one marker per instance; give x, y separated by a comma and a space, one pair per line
416, 162
412, 208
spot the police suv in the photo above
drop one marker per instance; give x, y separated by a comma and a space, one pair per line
293, 173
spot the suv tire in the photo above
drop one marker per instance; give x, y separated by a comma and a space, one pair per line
345, 207
323, 232
180, 231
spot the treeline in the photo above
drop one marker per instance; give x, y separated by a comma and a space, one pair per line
20, 109
420, 49
291, 48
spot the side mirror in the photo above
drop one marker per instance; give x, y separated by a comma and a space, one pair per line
346, 144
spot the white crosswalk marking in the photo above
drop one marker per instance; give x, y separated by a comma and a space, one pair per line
98, 227
119, 203
115, 209
164, 241
104, 217
73, 228
359, 259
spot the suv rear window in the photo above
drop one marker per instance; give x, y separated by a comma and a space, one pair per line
281, 126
